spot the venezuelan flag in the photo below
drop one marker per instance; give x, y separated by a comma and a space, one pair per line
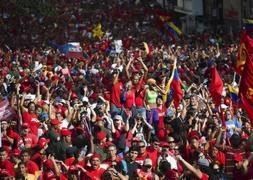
234, 91
167, 86
173, 29
248, 23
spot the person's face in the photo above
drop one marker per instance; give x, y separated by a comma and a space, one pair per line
136, 79
31, 107
142, 147
238, 165
3, 156
228, 115
95, 163
25, 157
112, 151
156, 145
38, 110
25, 131
194, 143
138, 120
171, 145
133, 155
117, 122
4, 125
58, 116
147, 168
193, 101
214, 151
247, 125
68, 139
159, 101
22, 169
73, 176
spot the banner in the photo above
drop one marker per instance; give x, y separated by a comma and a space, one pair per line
6, 111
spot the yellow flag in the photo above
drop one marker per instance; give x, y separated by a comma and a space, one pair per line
97, 31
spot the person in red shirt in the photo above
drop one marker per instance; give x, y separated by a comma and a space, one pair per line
94, 171
142, 152
112, 155
9, 137
29, 116
153, 150
194, 170
51, 170
115, 98
146, 171
40, 155
28, 139
5, 164
31, 166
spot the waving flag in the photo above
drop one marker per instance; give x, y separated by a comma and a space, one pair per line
216, 86
168, 85
246, 46
176, 90
71, 49
172, 29
234, 95
97, 31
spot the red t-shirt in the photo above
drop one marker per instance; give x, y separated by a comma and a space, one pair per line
6, 164
161, 113
30, 139
37, 158
141, 158
12, 134
32, 120
204, 176
116, 93
139, 94
153, 154
93, 174
108, 161
130, 99
32, 167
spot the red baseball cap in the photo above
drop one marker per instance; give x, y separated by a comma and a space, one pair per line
25, 125
48, 163
101, 135
73, 169
238, 157
55, 122
65, 132
95, 156
43, 142
164, 144
15, 152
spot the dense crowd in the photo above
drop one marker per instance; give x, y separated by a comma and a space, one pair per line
110, 115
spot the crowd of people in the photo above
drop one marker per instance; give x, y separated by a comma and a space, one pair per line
110, 115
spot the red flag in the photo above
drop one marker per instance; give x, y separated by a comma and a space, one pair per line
246, 47
248, 107
246, 84
216, 87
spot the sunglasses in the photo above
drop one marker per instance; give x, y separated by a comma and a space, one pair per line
148, 166
142, 146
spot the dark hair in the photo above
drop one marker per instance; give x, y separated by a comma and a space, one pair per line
164, 166
25, 151
133, 148
235, 141
2, 149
